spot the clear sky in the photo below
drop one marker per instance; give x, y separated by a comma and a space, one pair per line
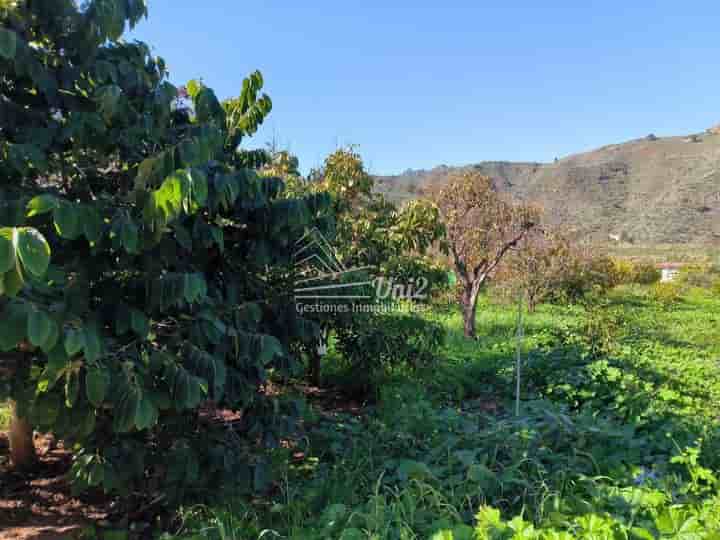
418, 84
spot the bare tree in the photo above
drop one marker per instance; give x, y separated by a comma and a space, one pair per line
481, 225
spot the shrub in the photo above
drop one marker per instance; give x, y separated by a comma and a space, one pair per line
141, 256
372, 344
624, 271
548, 268
533, 266
699, 275
629, 272
427, 277
601, 327
645, 273
583, 273
666, 293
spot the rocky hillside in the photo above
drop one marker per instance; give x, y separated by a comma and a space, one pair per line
650, 190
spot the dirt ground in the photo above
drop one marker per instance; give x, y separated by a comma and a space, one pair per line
39, 506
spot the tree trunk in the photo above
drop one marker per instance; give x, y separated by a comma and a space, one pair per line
469, 310
22, 447
314, 367
315, 357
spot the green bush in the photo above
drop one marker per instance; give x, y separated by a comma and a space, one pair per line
428, 278
666, 293
601, 327
703, 276
141, 256
372, 344
645, 273
629, 272
624, 271
584, 273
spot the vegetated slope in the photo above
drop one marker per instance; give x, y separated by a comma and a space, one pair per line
654, 190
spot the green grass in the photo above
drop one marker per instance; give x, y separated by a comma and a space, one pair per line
618, 437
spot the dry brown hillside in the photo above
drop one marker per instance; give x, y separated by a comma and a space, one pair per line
650, 190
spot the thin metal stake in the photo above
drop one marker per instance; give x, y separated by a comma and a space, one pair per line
518, 359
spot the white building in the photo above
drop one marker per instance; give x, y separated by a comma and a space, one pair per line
669, 271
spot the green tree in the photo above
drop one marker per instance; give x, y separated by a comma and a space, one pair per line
144, 263
370, 229
371, 233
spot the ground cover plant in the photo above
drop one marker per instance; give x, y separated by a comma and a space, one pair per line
617, 436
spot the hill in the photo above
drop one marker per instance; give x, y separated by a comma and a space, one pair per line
650, 190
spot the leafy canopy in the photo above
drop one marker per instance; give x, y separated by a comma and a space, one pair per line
142, 257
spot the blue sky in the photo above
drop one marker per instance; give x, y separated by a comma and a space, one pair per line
418, 84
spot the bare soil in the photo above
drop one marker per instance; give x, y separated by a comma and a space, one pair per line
38, 505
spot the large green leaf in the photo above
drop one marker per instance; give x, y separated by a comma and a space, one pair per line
8, 43
126, 411
93, 342
92, 224
198, 191
207, 106
146, 415
33, 250
72, 387
190, 153
129, 236
108, 99
408, 468
7, 251
13, 281
270, 347
42, 329
195, 287
14, 326
97, 382
42, 204
54, 369
74, 341
146, 172
139, 323
68, 220
52, 339
194, 87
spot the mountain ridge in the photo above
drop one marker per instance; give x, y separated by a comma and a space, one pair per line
649, 190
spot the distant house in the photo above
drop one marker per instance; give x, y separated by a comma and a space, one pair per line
669, 270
